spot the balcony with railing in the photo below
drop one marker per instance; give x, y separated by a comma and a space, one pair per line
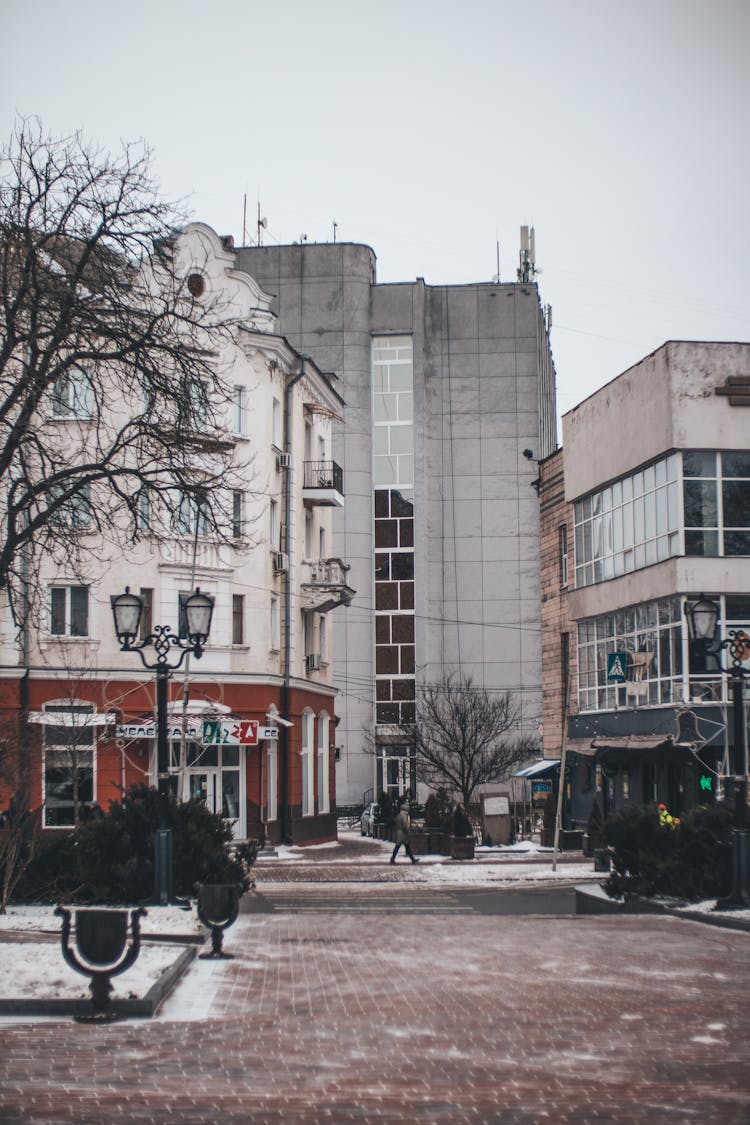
323, 484
324, 585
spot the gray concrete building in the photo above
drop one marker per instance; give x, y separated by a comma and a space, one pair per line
450, 403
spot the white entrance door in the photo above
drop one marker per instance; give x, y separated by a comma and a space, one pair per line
218, 782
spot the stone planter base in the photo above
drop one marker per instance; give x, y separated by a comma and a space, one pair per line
462, 847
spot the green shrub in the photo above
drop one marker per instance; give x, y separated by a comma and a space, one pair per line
438, 810
649, 857
461, 822
110, 860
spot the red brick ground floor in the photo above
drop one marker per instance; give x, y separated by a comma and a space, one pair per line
260, 755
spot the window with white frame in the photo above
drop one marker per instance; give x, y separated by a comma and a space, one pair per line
69, 611
308, 534
393, 413
193, 408
238, 410
74, 506
238, 513
275, 624
191, 517
73, 395
68, 776
323, 751
238, 619
629, 524
308, 774
716, 493
323, 636
276, 434
274, 525
144, 509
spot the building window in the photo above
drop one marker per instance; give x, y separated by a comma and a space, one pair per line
73, 508
68, 764
275, 624
69, 611
323, 752
276, 436
238, 619
274, 526
73, 395
147, 613
238, 504
308, 534
631, 523
565, 669
238, 410
144, 509
192, 516
716, 492
323, 634
393, 413
192, 406
563, 553
651, 637
308, 776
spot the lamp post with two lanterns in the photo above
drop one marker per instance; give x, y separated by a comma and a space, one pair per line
702, 619
127, 609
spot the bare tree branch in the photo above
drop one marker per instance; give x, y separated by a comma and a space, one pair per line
113, 400
465, 736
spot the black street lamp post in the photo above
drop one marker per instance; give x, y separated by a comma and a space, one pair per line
702, 617
126, 610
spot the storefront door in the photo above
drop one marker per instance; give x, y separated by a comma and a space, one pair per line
215, 776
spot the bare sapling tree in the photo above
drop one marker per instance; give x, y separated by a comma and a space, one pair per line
465, 736
113, 391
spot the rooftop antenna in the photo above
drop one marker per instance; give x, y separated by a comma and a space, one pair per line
527, 270
244, 220
335, 228
262, 224
496, 278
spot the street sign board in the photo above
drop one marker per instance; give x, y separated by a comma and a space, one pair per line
617, 667
211, 732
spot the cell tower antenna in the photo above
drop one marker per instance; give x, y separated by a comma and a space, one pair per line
262, 224
496, 278
527, 270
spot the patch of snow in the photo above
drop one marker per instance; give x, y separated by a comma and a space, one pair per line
167, 921
37, 971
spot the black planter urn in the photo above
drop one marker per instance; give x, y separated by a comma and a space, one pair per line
218, 906
101, 951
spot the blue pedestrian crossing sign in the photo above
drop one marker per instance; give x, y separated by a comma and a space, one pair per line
617, 666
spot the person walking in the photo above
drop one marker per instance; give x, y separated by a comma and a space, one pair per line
403, 824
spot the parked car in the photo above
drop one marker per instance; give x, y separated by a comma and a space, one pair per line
368, 819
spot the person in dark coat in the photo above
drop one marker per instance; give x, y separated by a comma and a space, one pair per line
403, 824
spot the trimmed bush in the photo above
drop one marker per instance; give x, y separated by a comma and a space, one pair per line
110, 860
650, 856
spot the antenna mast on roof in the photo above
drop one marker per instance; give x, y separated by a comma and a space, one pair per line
262, 224
527, 270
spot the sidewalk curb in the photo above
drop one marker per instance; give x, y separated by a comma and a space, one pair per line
588, 903
144, 1007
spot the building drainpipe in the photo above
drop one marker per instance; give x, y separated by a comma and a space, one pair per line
286, 837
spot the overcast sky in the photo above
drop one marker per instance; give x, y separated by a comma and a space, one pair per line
432, 130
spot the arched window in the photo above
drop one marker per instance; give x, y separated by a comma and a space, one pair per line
308, 776
324, 803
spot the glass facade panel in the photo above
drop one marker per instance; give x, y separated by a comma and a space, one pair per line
695, 501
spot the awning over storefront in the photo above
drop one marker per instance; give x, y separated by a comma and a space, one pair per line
634, 742
546, 767
581, 746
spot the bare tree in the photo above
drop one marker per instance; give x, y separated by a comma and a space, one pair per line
466, 736
112, 397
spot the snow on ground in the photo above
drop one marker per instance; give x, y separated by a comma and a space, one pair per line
37, 971
169, 921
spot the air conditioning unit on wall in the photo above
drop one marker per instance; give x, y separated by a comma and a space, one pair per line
280, 562
283, 460
312, 662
